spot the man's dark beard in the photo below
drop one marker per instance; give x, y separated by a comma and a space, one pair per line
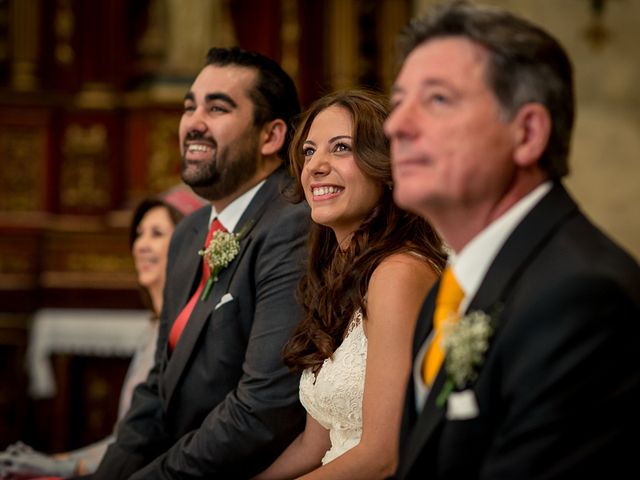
214, 183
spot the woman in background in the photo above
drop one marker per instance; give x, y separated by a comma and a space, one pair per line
370, 268
150, 231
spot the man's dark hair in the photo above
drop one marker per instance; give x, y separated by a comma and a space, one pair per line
274, 94
526, 64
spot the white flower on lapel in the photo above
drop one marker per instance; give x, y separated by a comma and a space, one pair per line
465, 343
222, 249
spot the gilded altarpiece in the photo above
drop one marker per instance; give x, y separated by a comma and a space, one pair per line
85, 178
24, 143
151, 138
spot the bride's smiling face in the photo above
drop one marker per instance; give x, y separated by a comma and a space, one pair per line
339, 193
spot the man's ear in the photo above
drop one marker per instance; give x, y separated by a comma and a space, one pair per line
273, 135
532, 126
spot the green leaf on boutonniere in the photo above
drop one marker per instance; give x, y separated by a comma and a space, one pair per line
447, 388
222, 249
207, 289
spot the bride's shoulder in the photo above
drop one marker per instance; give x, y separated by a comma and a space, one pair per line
401, 277
400, 264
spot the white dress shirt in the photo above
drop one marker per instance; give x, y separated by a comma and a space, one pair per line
470, 266
230, 216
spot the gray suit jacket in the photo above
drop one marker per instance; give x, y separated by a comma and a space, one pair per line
222, 405
559, 389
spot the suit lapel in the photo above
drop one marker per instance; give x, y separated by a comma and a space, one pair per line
187, 279
517, 252
426, 423
424, 325
425, 319
522, 246
188, 272
203, 311
267, 194
416, 427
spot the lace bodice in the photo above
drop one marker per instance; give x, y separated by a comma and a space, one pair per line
334, 396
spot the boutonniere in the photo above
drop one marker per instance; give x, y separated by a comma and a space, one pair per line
222, 249
465, 344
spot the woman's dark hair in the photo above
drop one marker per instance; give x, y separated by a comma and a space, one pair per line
336, 282
141, 210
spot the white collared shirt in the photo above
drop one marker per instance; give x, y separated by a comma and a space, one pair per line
230, 216
470, 266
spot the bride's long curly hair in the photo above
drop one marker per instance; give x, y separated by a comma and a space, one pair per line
335, 284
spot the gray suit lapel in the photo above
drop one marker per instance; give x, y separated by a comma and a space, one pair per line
204, 310
188, 273
425, 319
426, 423
187, 277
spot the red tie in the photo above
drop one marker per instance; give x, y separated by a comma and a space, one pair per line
181, 321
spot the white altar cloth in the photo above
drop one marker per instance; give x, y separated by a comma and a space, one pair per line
93, 332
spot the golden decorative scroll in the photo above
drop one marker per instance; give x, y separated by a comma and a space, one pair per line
85, 171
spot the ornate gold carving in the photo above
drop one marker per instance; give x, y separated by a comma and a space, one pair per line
290, 37
153, 42
64, 25
98, 262
343, 43
15, 263
22, 168
85, 175
96, 96
164, 160
193, 27
394, 14
87, 279
25, 41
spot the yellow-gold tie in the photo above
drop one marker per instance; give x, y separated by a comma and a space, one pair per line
447, 302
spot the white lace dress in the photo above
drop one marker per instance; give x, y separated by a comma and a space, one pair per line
334, 396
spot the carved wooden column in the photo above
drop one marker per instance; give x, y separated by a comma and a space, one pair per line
342, 23
290, 36
24, 32
394, 15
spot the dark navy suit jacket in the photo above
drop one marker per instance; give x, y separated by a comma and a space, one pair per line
559, 390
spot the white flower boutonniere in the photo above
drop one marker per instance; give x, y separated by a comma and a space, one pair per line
223, 248
465, 344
